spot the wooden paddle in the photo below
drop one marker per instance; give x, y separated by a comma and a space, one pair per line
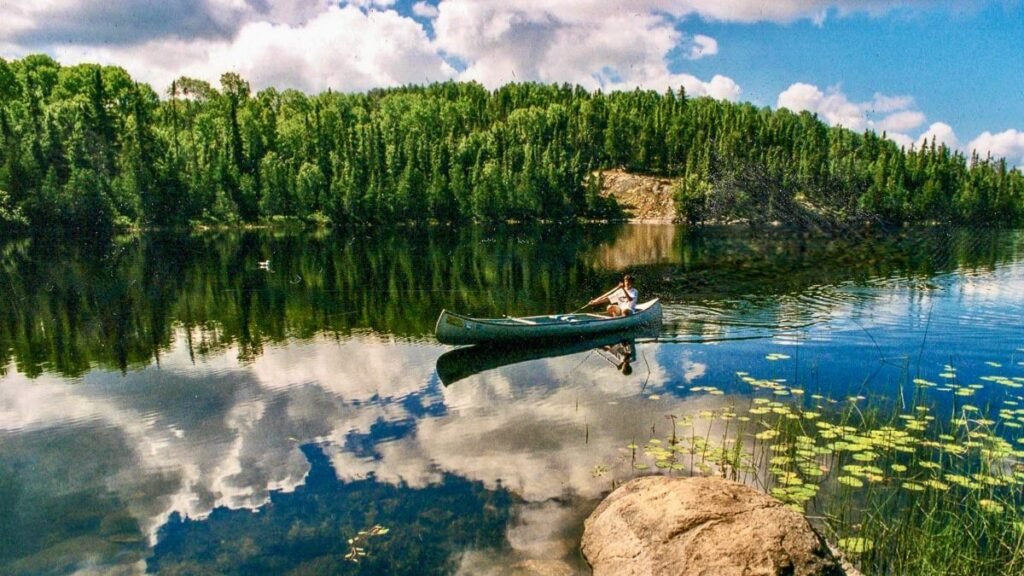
588, 304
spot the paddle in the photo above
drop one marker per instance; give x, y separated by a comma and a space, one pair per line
588, 304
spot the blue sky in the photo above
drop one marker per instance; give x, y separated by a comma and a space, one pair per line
966, 69
915, 69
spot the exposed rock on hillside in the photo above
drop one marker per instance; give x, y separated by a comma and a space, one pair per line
642, 198
748, 196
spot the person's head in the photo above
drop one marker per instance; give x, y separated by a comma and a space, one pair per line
625, 368
627, 280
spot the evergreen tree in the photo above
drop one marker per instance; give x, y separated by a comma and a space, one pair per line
86, 138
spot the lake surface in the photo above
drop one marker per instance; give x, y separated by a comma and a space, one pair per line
168, 405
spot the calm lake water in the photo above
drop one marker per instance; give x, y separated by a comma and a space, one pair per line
168, 405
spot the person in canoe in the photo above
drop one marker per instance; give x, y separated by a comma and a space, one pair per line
621, 300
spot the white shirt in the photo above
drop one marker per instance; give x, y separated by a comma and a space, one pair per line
627, 299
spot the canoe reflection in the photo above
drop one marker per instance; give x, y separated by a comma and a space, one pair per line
619, 349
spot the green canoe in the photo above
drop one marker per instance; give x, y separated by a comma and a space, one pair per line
455, 328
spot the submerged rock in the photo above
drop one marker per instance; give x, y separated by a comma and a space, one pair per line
709, 526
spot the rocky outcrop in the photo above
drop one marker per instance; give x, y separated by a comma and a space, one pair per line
707, 526
642, 198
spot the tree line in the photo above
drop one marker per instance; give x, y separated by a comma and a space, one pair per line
86, 146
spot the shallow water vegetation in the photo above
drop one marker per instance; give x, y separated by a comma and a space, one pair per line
901, 490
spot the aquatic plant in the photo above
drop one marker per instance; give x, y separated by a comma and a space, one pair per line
357, 544
902, 489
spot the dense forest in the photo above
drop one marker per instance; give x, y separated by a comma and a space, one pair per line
87, 147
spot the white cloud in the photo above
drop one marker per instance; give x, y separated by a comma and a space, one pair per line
130, 22
833, 106
784, 11
364, 44
757, 10
292, 12
882, 103
424, 10
723, 88
904, 141
581, 42
344, 49
800, 96
1008, 144
702, 46
836, 109
942, 133
903, 121
366, 4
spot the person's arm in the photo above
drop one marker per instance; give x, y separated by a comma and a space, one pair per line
618, 295
606, 297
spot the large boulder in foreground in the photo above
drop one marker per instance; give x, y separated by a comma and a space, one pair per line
709, 526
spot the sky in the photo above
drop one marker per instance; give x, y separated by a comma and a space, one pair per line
951, 70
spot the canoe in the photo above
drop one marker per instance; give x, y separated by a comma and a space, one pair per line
455, 328
459, 363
